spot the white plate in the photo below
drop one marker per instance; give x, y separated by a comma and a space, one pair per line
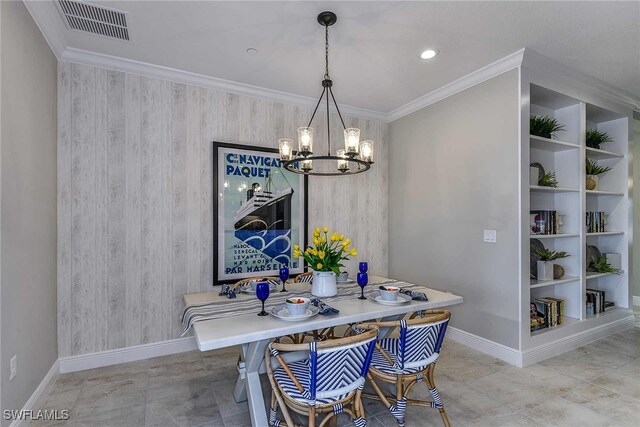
402, 299
281, 312
246, 288
346, 282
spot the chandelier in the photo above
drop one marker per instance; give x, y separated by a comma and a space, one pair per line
355, 157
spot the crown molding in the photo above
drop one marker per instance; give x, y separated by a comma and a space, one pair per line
585, 83
46, 16
85, 57
481, 75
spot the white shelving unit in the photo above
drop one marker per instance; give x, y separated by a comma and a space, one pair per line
543, 95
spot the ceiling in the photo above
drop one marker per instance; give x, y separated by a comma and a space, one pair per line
374, 45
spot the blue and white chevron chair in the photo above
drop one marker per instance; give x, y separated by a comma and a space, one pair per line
408, 360
328, 382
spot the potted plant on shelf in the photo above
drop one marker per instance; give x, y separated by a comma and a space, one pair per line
548, 180
544, 126
602, 266
595, 137
545, 264
593, 172
325, 258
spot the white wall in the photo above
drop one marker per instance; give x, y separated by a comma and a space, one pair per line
453, 171
28, 205
135, 203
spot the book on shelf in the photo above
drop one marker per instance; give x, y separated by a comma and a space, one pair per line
596, 302
596, 222
544, 222
546, 312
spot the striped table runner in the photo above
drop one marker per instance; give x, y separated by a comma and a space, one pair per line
209, 306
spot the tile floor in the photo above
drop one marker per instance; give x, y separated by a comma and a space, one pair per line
594, 385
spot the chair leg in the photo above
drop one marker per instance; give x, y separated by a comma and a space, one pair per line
435, 395
312, 416
401, 405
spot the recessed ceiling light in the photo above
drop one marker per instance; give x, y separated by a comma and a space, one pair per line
429, 53
252, 51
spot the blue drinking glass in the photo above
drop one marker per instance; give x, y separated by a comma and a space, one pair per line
363, 280
284, 276
262, 292
363, 266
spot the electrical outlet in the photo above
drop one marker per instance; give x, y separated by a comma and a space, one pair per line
490, 236
14, 367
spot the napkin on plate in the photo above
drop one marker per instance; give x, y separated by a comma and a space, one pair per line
415, 295
324, 308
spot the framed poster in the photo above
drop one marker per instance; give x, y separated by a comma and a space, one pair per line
259, 213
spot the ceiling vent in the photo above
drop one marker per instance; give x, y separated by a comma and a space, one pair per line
95, 19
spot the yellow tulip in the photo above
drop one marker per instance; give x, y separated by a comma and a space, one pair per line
316, 241
323, 239
341, 237
319, 266
296, 247
296, 254
321, 254
347, 242
316, 231
354, 252
326, 229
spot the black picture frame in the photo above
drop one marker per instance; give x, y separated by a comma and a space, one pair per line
220, 276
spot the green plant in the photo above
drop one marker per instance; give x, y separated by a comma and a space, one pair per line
549, 255
601, 266
595, 138
548, 180
544, 126
594, 169
327, 252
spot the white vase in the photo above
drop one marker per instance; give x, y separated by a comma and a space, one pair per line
545, 270
324, 284
533, 175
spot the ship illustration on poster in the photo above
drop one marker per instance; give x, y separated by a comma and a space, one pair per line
264, 221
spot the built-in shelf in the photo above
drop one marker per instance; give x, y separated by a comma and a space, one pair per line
546, 144
553, 236
603, 193
543, 283
606, 233
597, 154
593, 275
566, 322
540, 189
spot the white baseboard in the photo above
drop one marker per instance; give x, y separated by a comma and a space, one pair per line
555, 348
540, 353
636, 300
127, 354
483, 345
39, 395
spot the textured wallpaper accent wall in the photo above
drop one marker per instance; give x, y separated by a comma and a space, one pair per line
135, 202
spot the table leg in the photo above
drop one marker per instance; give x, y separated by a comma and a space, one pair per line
253, 355
240, 391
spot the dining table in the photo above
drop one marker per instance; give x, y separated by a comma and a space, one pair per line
234, 322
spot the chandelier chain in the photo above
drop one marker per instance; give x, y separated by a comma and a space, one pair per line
326, 52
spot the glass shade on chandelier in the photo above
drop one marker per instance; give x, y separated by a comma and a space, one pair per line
285, 146
343, 165
305, 141
366, 151
351, 141
355, 157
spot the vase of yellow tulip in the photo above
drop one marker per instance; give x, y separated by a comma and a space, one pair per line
325, 257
